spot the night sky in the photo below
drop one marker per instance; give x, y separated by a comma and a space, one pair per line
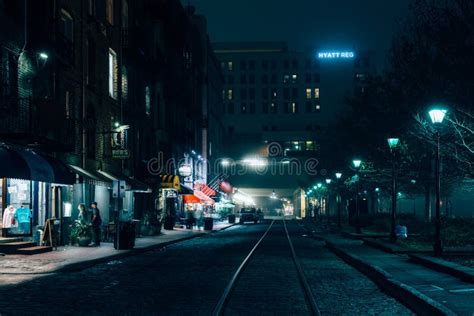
363, 24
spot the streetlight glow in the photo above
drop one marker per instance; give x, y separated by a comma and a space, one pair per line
393, 142
357, 163
319, 185
328, 181
43, 56
437, 115
338, 175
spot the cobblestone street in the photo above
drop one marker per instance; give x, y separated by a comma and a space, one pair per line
189, 277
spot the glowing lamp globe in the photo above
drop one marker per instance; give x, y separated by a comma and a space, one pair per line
437, 115
393, 142
338, 175
356, 163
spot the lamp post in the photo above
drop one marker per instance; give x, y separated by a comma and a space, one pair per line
357, 163
328, 182
393, 144
338, 199
437, 117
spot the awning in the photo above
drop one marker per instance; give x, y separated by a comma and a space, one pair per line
204, 189
191, 199
206, 199
91, 177
133, 184
26, 164
170, 181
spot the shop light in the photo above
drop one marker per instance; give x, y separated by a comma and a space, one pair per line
43, 56
225, 162
255, 162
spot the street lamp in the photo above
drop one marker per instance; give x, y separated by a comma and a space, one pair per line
393, 144
338, 200
437, 116
357, 163
43, 56
328, 182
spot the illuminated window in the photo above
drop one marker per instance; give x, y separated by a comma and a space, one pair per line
109, 11
273, 107
316, 93
124, 83
230, 94
308, 93
318, 107
230, 66
310, 145
243, 108
294, 77
274, 93
147, 101
286, 78
67, 25
113, 73
294, 108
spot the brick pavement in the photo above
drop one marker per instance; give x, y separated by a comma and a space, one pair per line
20, 268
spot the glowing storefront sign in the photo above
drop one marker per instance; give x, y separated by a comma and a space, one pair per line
336, 55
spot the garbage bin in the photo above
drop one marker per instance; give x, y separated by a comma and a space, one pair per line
231, 218
208, 223
126, 236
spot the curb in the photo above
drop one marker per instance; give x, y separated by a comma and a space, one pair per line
407, 295
391, 249
78, 266
465, 274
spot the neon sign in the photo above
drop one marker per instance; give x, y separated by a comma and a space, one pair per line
336, 55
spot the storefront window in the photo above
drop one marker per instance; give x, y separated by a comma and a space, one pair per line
17, 216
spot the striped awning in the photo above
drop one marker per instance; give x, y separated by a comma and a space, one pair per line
204, 189
170, 181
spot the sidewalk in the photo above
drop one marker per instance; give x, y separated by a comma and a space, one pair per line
19, 268
414, 279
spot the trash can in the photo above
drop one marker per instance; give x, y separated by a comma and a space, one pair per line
126, 236
231, 218
208, 223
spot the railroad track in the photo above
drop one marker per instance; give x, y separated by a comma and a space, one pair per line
226, 297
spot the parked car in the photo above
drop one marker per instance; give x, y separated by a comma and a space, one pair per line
249, 215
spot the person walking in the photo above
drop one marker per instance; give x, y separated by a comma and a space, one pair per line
96, 223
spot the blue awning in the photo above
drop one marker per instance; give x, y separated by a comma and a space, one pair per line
26, 164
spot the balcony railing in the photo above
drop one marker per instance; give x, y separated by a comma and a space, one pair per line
37, 123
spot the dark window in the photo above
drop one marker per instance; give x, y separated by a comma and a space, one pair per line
230, 130
316, 77
243, 79
265, 107
286, 93
252, 93
230, 108
294, 93
265, 79
308, 63
252, 107
251, 79
8, 79
286, 64
91, 53
265, 128
91, 7
243, 94
230, 80
66, 25
274, 128
265, 93
252, 64
308, 78
243, 65
265, 64
286, 107
309, 107
243, 108
294, 64
274, 65
274, 79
